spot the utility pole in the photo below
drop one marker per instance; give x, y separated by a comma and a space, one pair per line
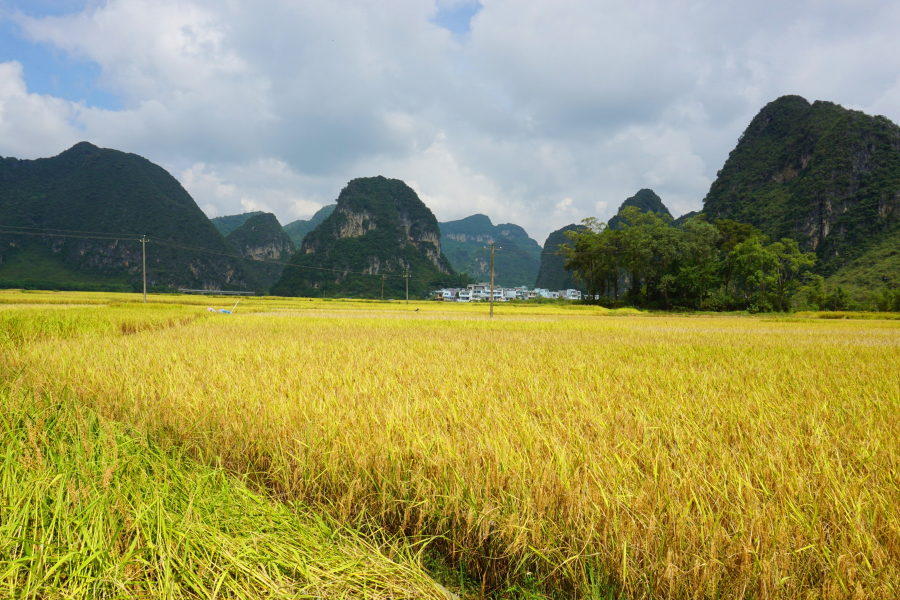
144, 253
492, 280
407, 286
382, 287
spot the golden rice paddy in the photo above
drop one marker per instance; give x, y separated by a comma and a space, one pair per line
566, 451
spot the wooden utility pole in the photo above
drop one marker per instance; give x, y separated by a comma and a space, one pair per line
492, 280
382, 287
144, 253
407, 286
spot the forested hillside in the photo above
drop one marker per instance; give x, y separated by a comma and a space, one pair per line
645, 200
824, 175
109, 198
299, 228
379, 231
553, 274
265, 245
467, 243
229, 223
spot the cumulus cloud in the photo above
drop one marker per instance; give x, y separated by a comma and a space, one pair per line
564, 207
531, 112
31, 124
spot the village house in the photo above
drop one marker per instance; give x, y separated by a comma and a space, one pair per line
481, 292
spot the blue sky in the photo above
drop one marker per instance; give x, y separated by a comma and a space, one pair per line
48, 70
531, 112
457, 18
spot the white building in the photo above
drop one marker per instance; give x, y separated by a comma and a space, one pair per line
481, 292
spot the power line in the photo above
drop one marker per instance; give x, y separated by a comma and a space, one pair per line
75, 234
89, 237
106, 233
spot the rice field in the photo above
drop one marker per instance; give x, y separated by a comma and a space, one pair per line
560, 451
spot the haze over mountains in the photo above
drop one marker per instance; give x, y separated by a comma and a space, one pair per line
267, 246
299, 228
467, 244
644, 199
114, 198
380, 236
821, 174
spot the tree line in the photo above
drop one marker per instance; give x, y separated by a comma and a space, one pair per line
725, 265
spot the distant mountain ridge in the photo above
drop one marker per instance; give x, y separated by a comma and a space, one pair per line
264, 243
466, 243
114, 195
646, 199
824, 175
228, 223
379, 228
299, 228
552, 274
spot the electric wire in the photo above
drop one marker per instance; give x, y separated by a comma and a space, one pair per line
76, 234
65, 235
80, 234
71, 231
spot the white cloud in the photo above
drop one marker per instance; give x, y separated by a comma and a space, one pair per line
278, 104
32, 125
564, 207
251, 205
266, 185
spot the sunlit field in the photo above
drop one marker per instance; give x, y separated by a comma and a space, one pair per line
554, 450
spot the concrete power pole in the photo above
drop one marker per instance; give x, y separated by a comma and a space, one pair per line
382, 287
492, 280
407, 286
144, 253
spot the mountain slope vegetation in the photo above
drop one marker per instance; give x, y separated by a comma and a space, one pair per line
110, 198
229, 223
646, 200
262, 241
467, 244
824, 175
553, 274
299, 228
379, 231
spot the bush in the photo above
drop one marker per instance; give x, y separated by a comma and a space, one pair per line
837, 301
888, 301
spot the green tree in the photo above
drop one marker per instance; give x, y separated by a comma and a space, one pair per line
839, 300
733, 233
888, 300
700, 269
649, 247
790, 265
584, 256
756, 265
816, 294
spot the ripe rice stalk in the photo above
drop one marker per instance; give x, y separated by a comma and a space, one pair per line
656, 456
90, 509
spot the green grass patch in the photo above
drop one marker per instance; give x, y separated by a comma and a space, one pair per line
848, 315
877, 268
36, 262
90, 509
